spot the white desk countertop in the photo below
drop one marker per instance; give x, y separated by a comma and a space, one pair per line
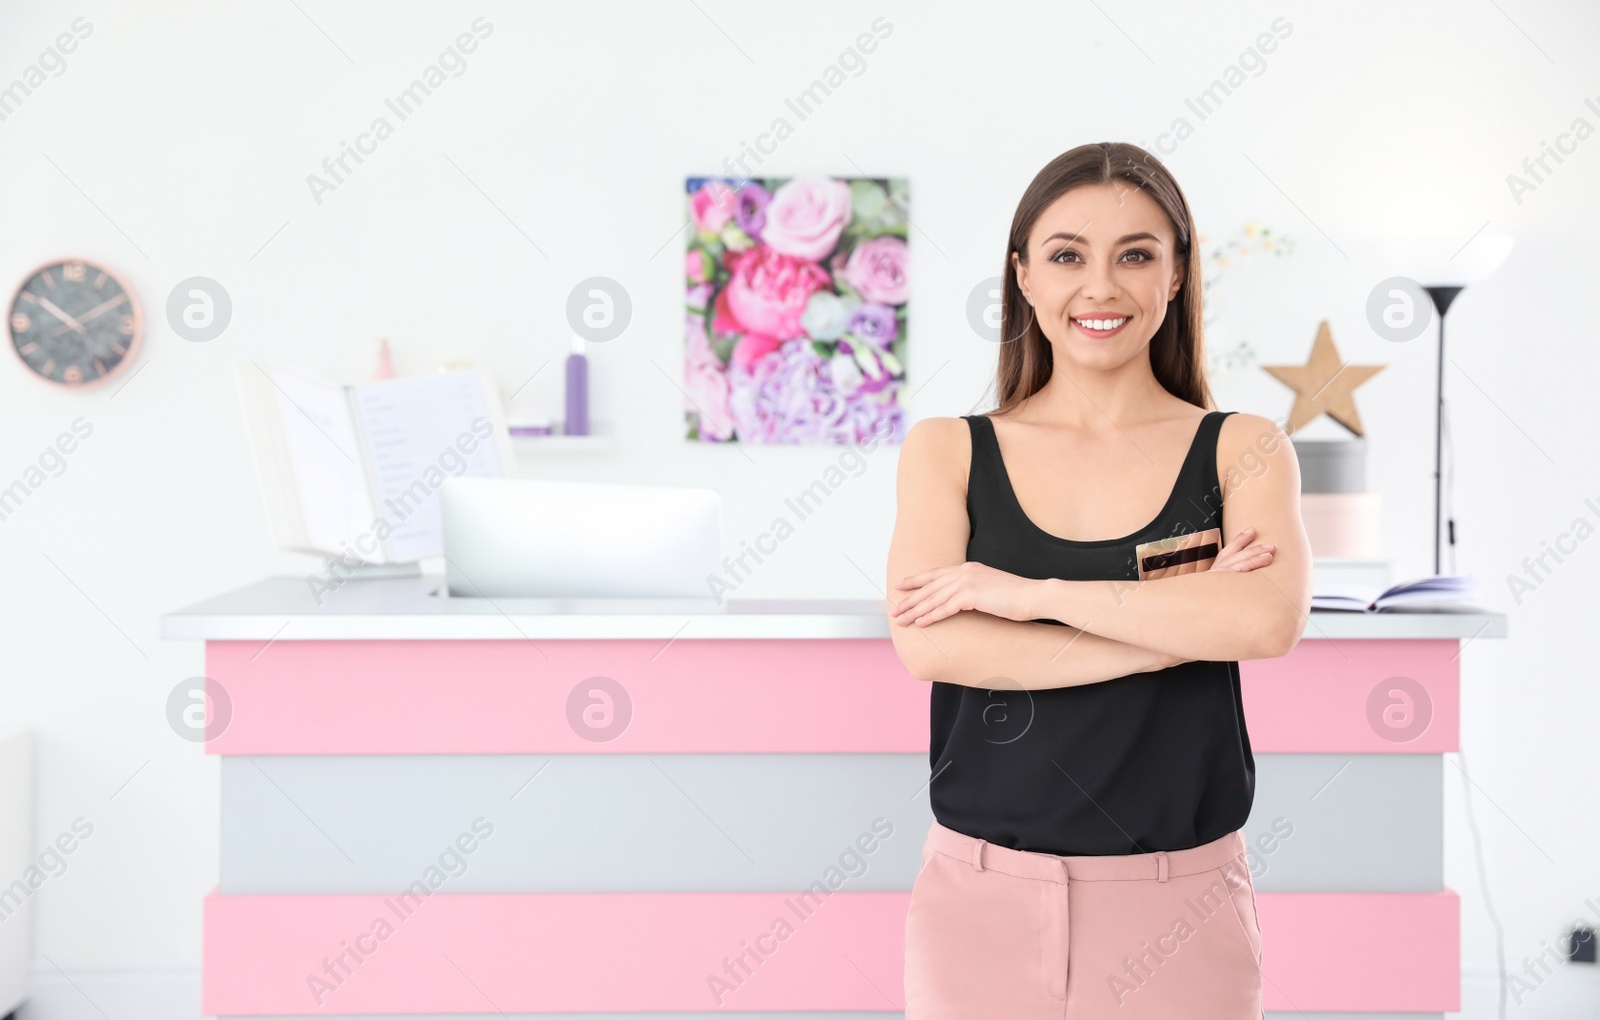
415, 608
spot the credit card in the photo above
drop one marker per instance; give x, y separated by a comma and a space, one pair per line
1181, 554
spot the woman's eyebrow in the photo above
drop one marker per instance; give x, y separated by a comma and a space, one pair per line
1079, 239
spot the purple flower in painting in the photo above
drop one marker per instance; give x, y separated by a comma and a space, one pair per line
873, 322
750, 211
769, 399
790, 397
871, 374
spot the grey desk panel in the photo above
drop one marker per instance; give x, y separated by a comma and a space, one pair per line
571, 823
1358, 823
723, 822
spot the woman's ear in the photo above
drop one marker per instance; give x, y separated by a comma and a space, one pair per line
1021, 270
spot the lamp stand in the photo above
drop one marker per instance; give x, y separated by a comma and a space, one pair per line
1442, 297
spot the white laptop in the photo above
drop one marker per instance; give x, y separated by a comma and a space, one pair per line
520, 537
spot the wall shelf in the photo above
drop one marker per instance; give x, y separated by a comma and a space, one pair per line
599, 440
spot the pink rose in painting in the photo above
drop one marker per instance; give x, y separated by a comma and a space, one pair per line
769, 290
753, 346
877, 270
806, 216
713, 206
695, 266
722, 320
706, 383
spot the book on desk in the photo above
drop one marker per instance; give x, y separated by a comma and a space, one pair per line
1441, 593
358, 468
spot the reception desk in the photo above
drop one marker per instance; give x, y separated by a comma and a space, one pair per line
569, 807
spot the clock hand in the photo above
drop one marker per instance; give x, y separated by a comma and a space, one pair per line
50, 307
99, 309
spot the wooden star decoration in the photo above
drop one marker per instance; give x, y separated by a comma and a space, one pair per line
1324, 384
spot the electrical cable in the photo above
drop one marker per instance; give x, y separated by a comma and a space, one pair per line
1448, 489
1448, 507
1483, 882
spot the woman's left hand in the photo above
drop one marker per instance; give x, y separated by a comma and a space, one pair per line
945, 591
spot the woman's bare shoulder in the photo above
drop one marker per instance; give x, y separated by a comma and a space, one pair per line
1241, 430
1247, 444
937, 448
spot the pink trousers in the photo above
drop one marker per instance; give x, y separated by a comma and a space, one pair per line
1002, 933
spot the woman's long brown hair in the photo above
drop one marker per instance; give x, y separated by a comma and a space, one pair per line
1177, 351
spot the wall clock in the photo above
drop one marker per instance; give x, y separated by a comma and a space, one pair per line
74, 324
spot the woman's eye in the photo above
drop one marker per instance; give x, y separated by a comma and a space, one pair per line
1061, 256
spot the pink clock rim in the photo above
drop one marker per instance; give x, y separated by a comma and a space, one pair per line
133, 347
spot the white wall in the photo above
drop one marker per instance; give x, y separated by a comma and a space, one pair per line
178, 140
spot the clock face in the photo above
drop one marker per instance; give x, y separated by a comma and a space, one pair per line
74, 324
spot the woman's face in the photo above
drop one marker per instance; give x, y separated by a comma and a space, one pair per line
1100, 252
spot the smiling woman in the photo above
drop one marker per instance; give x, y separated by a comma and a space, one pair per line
1077, 574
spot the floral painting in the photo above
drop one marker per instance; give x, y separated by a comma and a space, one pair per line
796, 310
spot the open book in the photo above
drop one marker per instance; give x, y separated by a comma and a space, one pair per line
355, 470
1439, 593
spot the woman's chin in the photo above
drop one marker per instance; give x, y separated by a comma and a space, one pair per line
1098, 356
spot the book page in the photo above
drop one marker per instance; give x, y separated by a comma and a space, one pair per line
325, 455
418, 432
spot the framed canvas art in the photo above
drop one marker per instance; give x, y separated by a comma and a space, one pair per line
796, 309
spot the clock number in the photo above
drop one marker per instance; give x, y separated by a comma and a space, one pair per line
73, 374
20, 323
127, 325
73, 271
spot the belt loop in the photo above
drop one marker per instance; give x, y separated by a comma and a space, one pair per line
977, 855
1161, 865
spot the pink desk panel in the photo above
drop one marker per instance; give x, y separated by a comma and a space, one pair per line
511, 953
736, 696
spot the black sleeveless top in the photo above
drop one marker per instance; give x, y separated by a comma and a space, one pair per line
1150, 761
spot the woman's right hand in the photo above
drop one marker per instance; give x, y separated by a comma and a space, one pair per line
1239, 556
1236, 556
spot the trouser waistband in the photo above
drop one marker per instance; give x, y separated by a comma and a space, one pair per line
1159, 865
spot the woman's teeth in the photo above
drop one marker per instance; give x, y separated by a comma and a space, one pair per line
1101, 323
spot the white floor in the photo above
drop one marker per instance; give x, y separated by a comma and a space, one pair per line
1572, 992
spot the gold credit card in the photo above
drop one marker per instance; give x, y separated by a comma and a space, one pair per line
1181, 554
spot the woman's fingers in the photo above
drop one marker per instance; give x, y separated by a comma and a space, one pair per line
1253, 558
1238, 541
926, 598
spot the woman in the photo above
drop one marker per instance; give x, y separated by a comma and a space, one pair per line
1091, 765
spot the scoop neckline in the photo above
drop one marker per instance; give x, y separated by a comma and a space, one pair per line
1016, 504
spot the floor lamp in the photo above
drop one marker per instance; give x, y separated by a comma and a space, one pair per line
1477, 263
